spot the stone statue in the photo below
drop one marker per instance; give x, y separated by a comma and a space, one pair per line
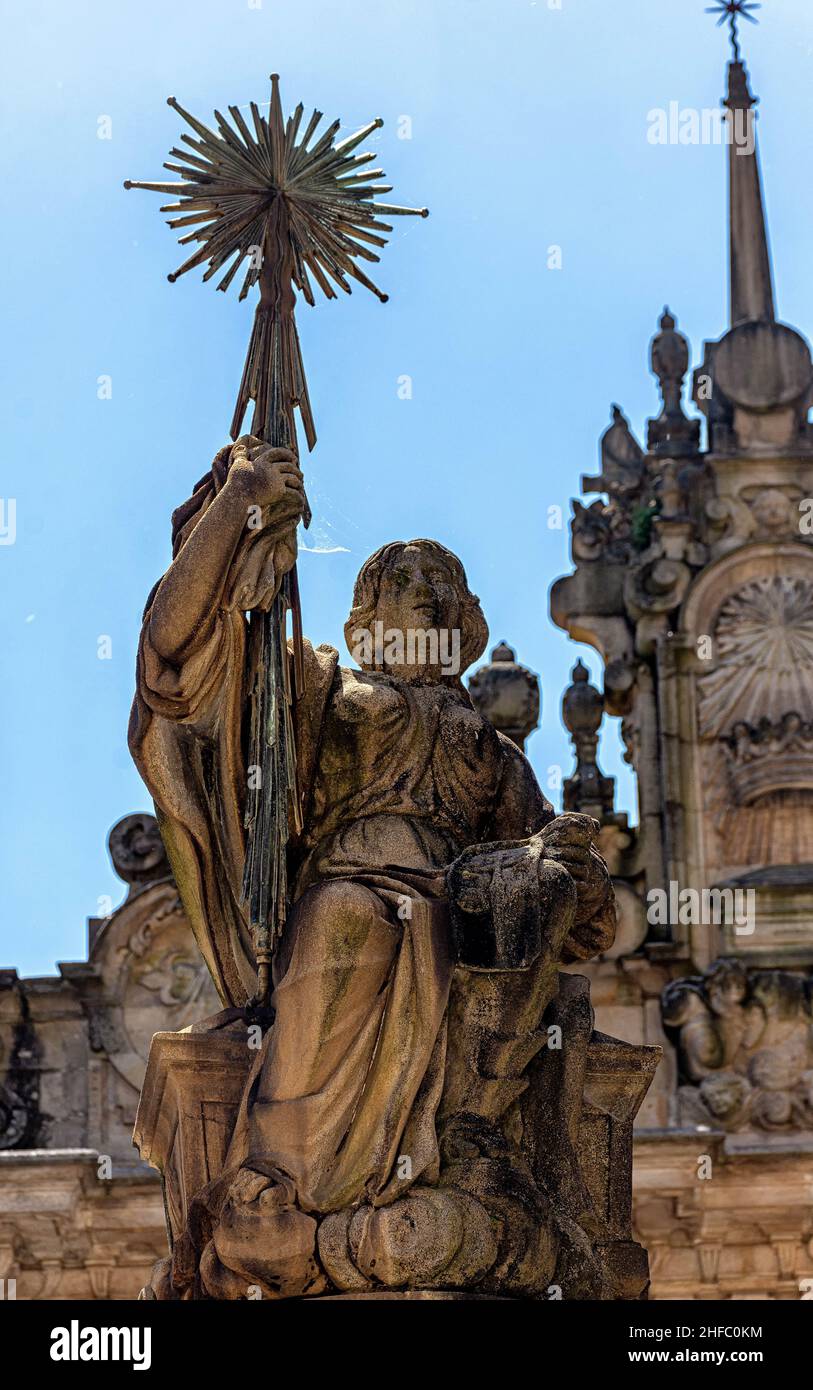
406, 1121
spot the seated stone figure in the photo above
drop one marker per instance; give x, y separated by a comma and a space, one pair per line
381, 1139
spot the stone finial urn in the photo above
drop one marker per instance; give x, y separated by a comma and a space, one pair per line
588, 790
672, 433
507, 693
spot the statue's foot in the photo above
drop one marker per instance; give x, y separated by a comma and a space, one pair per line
262, 1246
429, 1238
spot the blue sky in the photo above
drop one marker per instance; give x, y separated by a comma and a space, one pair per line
528, 129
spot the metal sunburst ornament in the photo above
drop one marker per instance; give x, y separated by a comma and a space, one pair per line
295, 207
290, 207
732, 10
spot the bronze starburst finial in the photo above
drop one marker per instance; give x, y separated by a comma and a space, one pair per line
292, 204
732, 10
296, 205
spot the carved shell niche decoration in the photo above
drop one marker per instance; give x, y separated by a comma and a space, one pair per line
755, 709
763, 644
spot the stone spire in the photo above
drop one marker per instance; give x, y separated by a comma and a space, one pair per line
755, 384
750, 279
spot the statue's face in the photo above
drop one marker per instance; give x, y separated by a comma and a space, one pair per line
727, 992
724, 1094
418, 591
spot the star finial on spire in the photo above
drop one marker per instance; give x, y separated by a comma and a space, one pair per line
732, 10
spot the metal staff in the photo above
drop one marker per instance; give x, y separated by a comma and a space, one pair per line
296, 207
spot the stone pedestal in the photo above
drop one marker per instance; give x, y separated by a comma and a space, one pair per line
195, 1081
617, 1078
188, 1106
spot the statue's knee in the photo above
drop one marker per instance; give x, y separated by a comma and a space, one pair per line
342, 910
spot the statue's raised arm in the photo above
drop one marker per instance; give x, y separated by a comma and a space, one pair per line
233, 541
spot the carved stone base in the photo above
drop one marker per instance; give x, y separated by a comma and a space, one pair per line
188, 1106
195, 1081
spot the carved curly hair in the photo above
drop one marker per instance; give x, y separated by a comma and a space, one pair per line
473, 626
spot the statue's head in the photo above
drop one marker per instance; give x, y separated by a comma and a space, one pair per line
725, 1095
726, 985
414, 614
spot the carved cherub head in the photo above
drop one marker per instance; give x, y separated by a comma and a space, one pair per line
414, 614
726, 986
726, 1096
772, 510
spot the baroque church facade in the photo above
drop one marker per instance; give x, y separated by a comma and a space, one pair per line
693, 580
